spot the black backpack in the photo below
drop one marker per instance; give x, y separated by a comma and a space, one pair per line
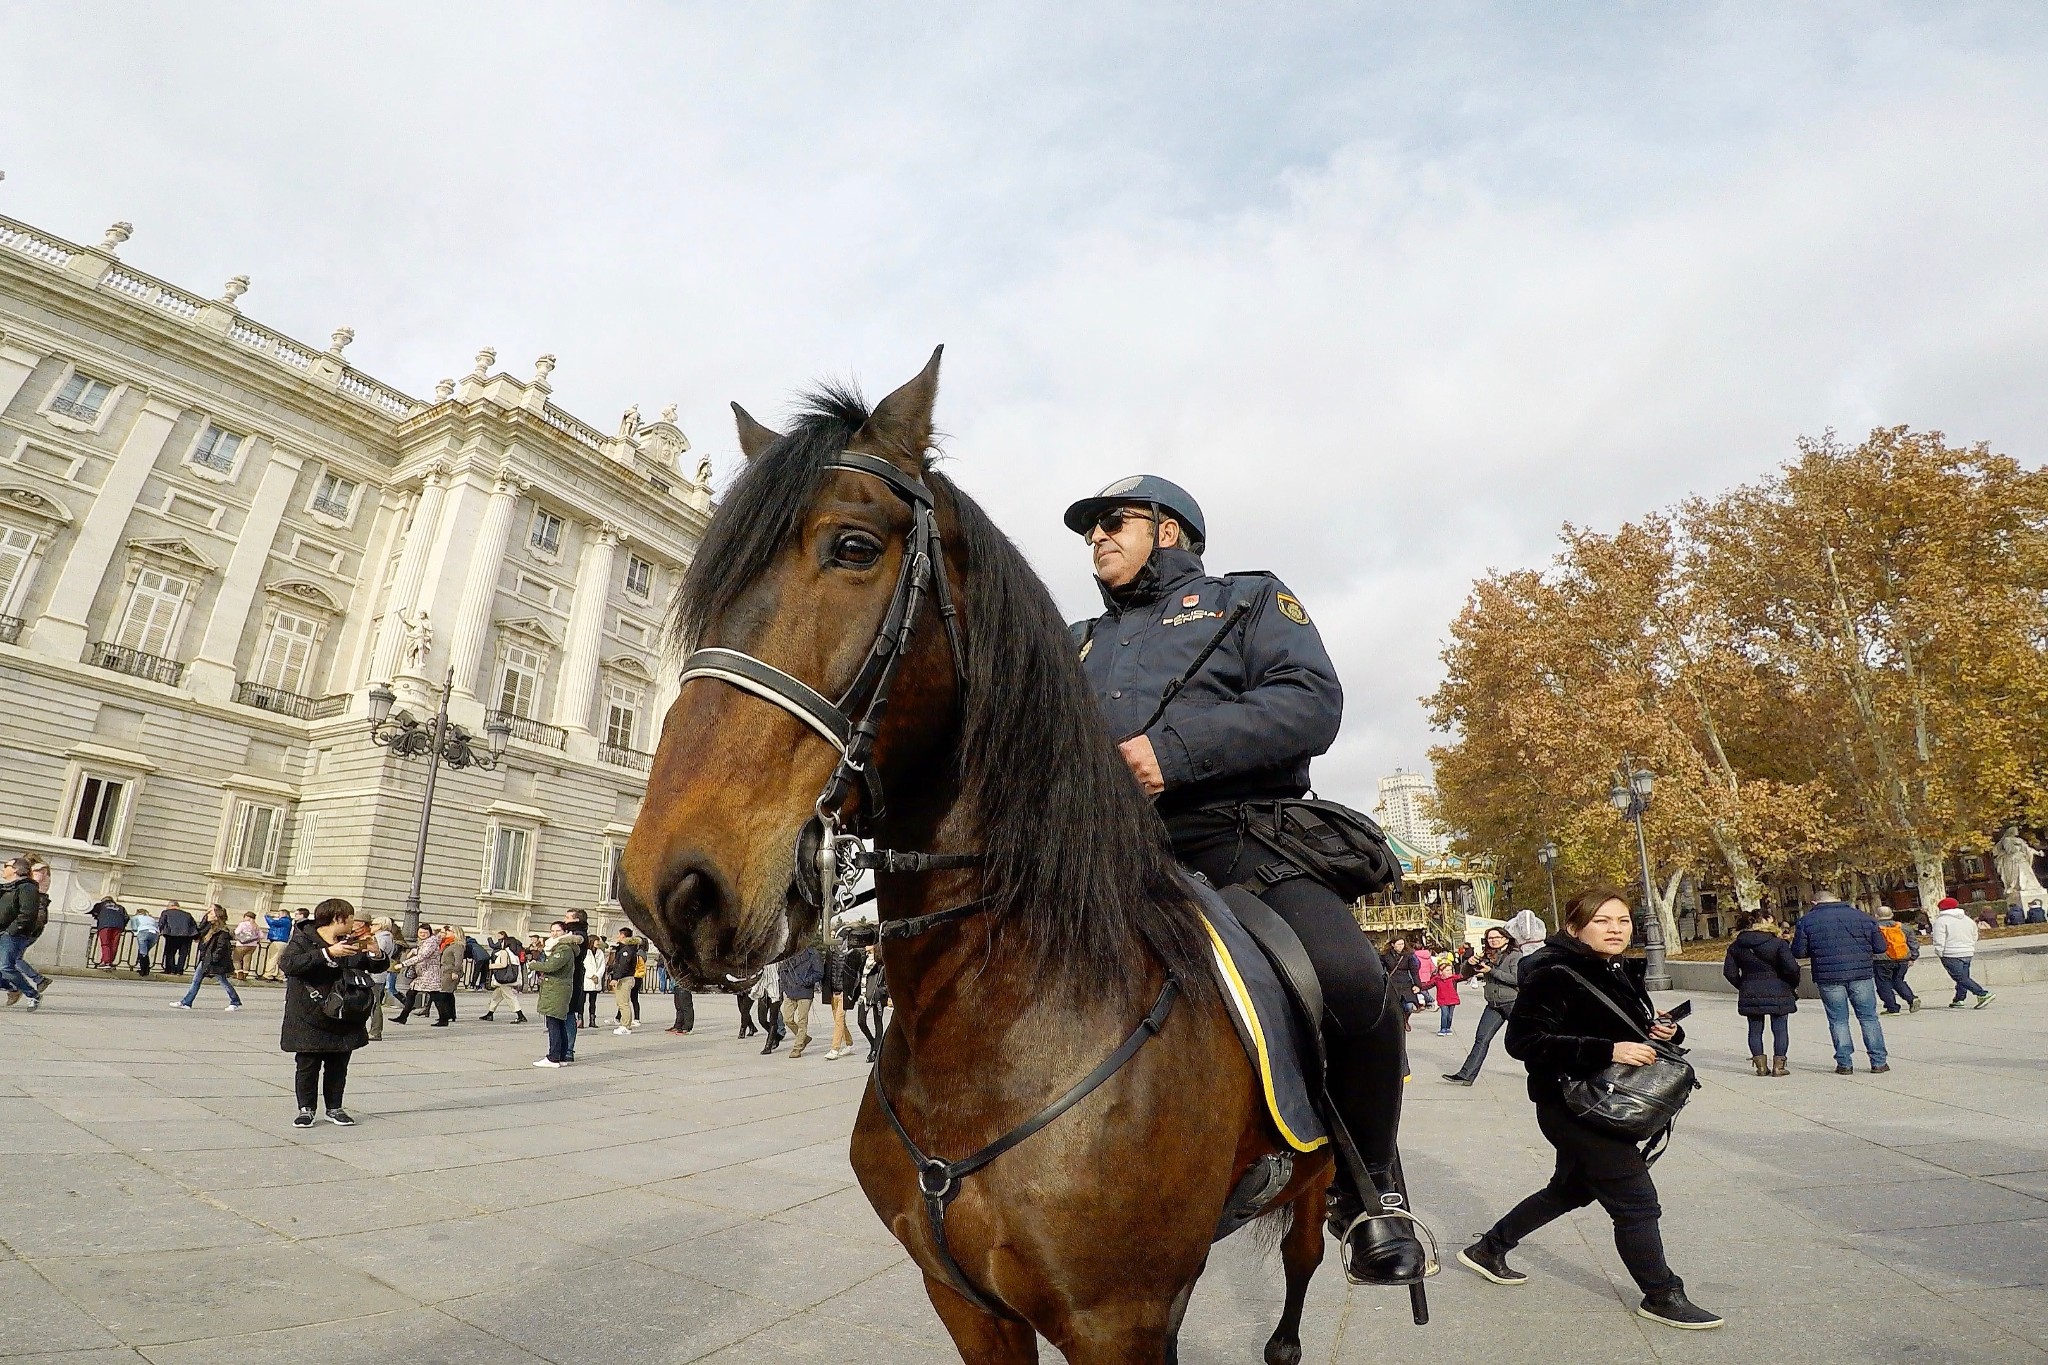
350, 999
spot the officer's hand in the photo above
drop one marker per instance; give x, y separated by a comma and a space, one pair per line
1144, 764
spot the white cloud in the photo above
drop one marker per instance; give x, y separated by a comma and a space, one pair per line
1395, 296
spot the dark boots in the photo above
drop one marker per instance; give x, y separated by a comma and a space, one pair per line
1379, 1244
1763, 1068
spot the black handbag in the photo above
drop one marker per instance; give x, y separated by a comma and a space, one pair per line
349, 1000
1639, 1103
1325, 842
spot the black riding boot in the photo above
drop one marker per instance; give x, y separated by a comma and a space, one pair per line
1379, 1244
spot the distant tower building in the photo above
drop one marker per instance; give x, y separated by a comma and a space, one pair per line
1406, 800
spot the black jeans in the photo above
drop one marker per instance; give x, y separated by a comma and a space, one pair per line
444, 1004
1362, 1033
1491, 1020
1592, 1166
1891, 981
307, 1077
747, 1029
770, 1015
686, 1010
177, 955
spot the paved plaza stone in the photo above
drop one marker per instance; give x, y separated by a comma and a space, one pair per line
683, 1199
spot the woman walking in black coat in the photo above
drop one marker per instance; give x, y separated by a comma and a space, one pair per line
321, 948
1765, 975
1404, 974
1560, 1030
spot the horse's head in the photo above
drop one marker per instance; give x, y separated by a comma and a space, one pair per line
797, 571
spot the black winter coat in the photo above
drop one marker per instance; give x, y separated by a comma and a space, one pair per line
1764, 973
177, 924
308, 973
1559, 1029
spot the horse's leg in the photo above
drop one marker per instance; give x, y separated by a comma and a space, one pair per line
1301, 1251
1127, 1334
981, 1338
1173, 1321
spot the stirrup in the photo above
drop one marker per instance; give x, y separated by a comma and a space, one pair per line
1430, 1262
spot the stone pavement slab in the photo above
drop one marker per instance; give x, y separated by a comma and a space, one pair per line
684, 1199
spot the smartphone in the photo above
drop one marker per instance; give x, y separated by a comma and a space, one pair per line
1678, 1011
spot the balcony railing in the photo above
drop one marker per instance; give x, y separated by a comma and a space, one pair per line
332, 705
276, 699
81, 411
531, 730
10, 629
134, 663
625, 758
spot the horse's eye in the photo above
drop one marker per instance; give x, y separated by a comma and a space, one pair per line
855, 550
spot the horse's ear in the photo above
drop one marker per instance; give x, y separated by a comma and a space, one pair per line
902, 422
754, 438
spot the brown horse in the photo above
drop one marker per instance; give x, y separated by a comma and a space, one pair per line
1093, 1231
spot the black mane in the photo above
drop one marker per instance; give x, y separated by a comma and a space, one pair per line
1076, 856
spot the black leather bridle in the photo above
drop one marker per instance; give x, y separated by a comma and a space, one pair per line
852, 723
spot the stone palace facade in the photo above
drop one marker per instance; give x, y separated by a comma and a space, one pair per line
214, 540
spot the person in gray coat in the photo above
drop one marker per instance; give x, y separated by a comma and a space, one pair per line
1499, 972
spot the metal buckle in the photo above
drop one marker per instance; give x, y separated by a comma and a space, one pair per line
948, 1183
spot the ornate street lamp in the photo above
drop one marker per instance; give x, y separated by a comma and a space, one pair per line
1546, 854
409, 737
1631, 797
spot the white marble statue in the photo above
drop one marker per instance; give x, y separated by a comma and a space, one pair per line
2016, 868
419, 640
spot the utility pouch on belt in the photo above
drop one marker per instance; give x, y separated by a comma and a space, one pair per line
1325, 842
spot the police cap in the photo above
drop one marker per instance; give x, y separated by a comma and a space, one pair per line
1170, 497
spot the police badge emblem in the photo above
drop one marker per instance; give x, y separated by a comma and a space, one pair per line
1193, 599
1291, 608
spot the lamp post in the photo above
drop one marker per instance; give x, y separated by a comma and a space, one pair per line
409, 737
1631, 797
1547, 855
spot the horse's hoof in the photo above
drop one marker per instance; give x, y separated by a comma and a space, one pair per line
1280, 1352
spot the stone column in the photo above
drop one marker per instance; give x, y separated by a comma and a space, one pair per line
578, 690
352, 653
480, 587
412, 567
212, 674
63, 631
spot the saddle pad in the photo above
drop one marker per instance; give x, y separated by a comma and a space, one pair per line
1267, 1023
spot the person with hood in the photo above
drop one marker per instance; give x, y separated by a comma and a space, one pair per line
1528, 930
1842, 941
1901, 951
559, 970
321, 949
1499, 972
1955, 943
1760, 965
1562, 1029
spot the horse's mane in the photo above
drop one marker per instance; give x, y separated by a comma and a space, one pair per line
1076, 857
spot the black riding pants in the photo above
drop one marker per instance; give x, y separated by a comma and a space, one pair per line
1362, 1029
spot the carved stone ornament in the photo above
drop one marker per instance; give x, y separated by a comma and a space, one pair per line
34, 504
629, 422
668, 414
510, 482
485, 358
444, 391
542, 368
532, 628
306, 594
117, 234
175, 553
234, 289
704, 472
341, 338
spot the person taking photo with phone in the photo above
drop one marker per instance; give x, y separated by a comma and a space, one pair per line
321, 951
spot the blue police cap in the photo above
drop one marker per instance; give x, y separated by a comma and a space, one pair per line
1170, 497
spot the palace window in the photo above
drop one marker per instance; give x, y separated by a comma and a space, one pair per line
17, 549
306, 843
519, 681
216, 450
96, 816
154, 606
257, 829
288, 653
333, 496
639, 576
614, 851
511, 861
622, 713
546, 535
81, 397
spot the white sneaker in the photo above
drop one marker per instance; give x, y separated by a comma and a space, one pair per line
545, 1062
229, 1009
621, 1031
832, 1054
180, 1005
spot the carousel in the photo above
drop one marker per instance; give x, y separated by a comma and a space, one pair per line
1437, 895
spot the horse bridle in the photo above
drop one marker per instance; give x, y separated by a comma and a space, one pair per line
852, 723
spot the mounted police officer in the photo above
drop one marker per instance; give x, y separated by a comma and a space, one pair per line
1249, 697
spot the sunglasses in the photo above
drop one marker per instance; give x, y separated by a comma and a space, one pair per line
1112, 521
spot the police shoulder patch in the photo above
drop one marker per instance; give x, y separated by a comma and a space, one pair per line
1291, 608
1087, 645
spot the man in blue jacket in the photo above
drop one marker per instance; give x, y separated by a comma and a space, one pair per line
1844, 943
800, 976
1217, 691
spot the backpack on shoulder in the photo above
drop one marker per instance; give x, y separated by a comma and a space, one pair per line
1895, 946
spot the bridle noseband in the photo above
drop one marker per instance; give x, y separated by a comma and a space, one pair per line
852, 723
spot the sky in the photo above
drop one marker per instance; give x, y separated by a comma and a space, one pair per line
1396, 290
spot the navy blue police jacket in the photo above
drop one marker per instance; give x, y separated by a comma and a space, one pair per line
1247, 724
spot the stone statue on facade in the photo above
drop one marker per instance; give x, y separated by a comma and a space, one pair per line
629, 423
2015, 857
419, 640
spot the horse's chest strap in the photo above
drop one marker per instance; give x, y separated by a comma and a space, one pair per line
938, 1181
